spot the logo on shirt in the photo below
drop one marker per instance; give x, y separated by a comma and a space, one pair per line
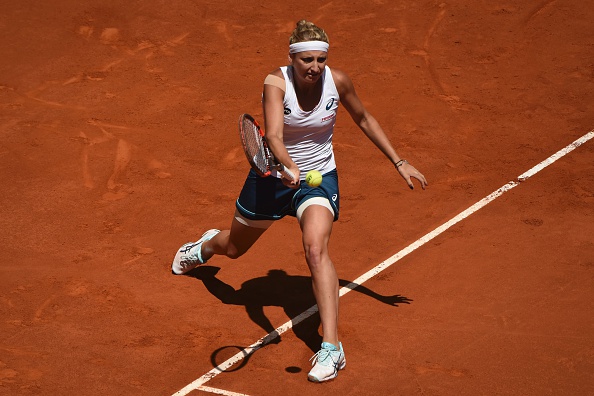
329, 104
329, 117
287, 111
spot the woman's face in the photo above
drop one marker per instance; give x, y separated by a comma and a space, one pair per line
309, 65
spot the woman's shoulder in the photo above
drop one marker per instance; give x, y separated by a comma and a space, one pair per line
341, 79
277, 72
276, 78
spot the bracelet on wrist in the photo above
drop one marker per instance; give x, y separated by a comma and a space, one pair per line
400, 163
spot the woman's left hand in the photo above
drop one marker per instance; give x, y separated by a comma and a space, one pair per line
407, 171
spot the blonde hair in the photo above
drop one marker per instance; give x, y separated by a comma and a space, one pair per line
307, 31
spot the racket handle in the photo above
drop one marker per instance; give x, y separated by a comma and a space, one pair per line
286, 172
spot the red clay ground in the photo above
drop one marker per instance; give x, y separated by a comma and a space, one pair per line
119, 143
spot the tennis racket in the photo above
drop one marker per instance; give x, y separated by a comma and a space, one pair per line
256, 149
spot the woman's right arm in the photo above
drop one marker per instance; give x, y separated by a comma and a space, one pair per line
272, 102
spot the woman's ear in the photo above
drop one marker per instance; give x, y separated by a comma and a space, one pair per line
290, 58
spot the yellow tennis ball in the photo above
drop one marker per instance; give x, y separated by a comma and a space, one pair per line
313, 178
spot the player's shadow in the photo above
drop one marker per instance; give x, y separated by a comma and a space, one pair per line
293, 293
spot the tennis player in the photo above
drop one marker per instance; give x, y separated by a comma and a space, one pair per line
300, 104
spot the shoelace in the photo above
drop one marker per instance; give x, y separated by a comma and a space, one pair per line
322, 356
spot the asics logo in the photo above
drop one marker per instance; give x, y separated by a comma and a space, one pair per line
186, 249
334, 197
330, 103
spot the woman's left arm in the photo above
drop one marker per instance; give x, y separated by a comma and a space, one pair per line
369, 125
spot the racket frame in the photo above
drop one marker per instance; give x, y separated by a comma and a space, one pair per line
269, 158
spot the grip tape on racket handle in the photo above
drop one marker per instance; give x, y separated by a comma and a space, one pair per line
286, 172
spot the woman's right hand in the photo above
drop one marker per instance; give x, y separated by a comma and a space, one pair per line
291, 183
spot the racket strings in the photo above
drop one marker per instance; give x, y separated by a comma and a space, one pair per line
256, 152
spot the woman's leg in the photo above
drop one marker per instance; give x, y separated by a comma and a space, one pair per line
316, 225
233, 243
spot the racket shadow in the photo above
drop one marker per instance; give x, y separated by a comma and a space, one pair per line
293, 293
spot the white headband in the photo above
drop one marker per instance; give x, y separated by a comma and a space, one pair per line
308, 46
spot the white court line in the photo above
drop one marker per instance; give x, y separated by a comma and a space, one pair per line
219, 391
197, 384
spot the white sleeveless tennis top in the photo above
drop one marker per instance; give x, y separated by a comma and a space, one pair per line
308, 134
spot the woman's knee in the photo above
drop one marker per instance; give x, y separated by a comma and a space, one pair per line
233, 252
241, 238
314, 253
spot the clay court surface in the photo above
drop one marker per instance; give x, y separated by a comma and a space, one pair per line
118, 143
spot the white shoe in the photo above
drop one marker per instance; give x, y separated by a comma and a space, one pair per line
189, 256
328, 361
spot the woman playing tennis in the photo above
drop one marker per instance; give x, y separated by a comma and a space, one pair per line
300, 104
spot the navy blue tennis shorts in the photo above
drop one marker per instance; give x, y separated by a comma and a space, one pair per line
267, 198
